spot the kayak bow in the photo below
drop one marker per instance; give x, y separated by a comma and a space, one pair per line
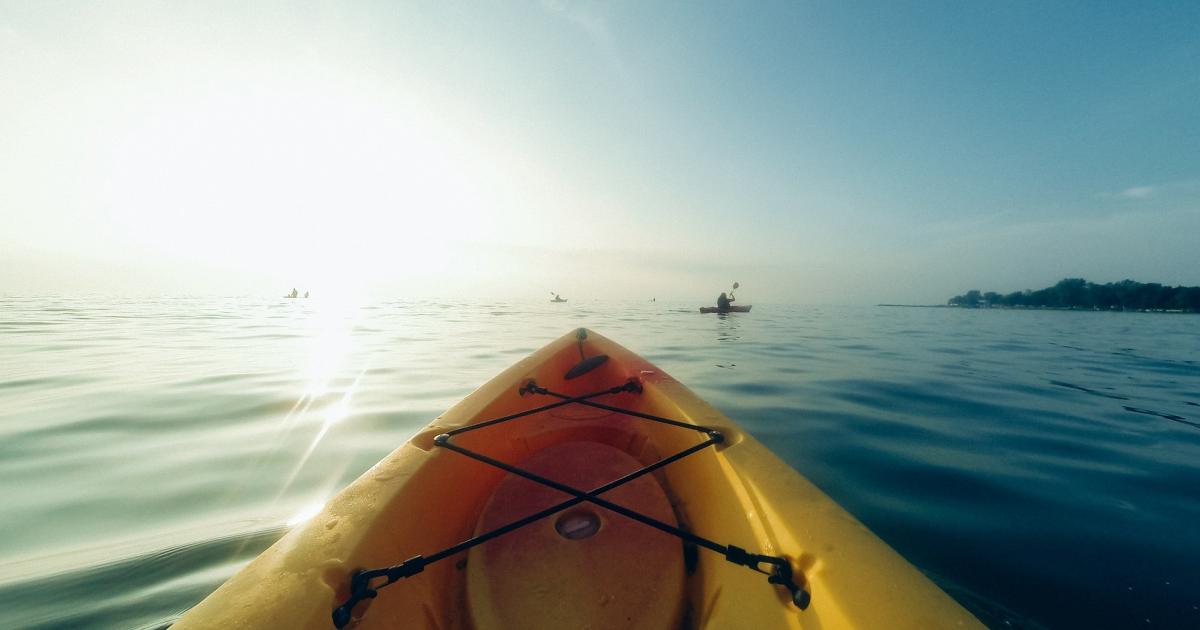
576, 491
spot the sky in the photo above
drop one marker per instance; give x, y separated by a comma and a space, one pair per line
814, 152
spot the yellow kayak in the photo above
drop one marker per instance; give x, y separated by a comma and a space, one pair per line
583, 487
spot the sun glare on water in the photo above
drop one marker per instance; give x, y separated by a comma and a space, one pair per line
328, 383
330, 338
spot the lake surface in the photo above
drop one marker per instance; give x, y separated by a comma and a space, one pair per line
1041, 466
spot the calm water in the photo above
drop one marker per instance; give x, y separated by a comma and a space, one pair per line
1042, 467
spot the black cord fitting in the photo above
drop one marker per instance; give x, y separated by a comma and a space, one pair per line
360, 589
737, 555
408, 568
782, 575
341, 615
801, 598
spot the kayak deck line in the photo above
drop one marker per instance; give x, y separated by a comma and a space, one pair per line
779, 570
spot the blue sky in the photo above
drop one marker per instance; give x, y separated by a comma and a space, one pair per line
815, 152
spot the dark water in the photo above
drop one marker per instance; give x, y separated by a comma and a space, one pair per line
1043, 467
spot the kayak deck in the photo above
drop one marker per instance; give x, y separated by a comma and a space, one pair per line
582, 563
586, 565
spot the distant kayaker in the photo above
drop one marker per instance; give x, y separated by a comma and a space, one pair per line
296, 293
723, 303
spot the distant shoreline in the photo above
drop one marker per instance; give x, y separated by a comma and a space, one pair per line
1079, 294
1044, 308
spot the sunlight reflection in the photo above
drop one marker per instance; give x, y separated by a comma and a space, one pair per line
329, 326
332, 325
306, 513
334, 414
325, 397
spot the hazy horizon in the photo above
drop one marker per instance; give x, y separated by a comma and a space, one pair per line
818, 154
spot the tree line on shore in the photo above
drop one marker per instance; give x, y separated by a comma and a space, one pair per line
1126, 295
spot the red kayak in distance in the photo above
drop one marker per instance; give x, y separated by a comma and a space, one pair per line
731, 309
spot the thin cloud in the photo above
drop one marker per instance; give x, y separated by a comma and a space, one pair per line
1174, 189
1137, 192
1133, 192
